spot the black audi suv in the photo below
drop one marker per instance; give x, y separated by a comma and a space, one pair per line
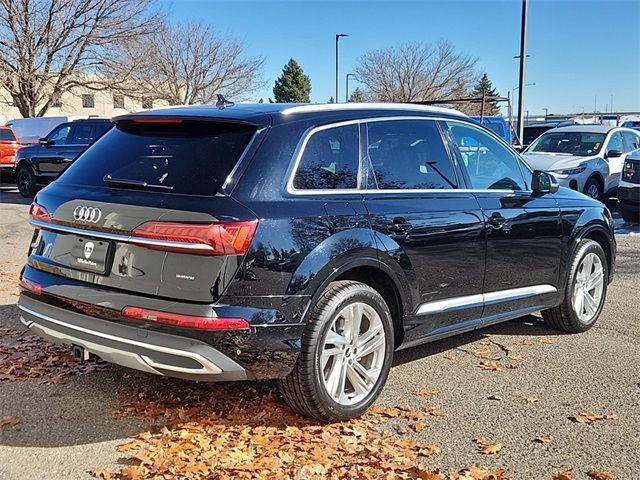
304, 243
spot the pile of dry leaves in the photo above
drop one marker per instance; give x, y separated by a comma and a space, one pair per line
25, 356
231, 431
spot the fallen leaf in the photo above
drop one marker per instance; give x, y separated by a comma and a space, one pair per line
418, 426
433, 411
423, 392
599, 475
485, 341
9, 421
523, 342
482, 353
449, 356
590, 417
487, 447
489, 366
132, 445
494, 397
545, 340
530, 399
401, 429
516, 356
543, 439
565, 474
103, 473
428, 450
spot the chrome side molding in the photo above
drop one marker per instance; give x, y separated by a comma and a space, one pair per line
477, 300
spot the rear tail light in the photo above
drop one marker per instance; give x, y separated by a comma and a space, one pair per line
38, 212
33, 287
185, 321
222, 238
156, 120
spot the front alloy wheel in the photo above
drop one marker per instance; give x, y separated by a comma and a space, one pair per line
585, 290
345, 354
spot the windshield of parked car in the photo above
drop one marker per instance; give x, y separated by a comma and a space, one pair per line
579, 144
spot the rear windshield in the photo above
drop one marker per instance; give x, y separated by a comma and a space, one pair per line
7, 135
189, 157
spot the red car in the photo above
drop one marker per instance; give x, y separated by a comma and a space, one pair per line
9, 145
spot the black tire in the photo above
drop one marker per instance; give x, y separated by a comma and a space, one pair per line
564, 317
304, 389
26, 182
593, 188
631, 216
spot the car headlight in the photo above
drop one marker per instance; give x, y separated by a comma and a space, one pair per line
572, 171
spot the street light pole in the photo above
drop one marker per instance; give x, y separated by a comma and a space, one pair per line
523, 61
338, 35
546, 113
346, 93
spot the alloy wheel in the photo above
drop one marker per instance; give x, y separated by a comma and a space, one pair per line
24, 182
352, 353
588, 287
593, 191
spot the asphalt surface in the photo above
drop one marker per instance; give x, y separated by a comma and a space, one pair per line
65, 429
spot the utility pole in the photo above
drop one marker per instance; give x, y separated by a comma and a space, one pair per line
523, 61
338, 35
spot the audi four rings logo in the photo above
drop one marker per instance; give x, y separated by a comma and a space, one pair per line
87, 214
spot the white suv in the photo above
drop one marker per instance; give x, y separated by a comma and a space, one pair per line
587, 158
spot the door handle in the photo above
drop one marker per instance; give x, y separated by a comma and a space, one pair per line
496, 220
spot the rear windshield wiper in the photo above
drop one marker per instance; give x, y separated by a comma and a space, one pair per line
127, 182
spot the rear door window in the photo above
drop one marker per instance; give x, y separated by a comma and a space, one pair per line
329, 160
409, 155
184, 157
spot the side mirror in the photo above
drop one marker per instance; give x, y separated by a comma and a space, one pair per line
613, 154
45, 143
543, 182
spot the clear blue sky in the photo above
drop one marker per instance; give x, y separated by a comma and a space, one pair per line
580, 49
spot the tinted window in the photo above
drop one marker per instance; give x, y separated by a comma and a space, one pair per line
408, 154
329, 160
191, 157
60, 134
615, 143
7, 135
82, 135
573, 143
488, 163
630, 141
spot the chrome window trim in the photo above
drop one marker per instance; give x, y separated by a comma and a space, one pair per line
300, 151
468, 301
119, 237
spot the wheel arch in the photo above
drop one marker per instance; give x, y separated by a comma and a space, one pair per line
603, 237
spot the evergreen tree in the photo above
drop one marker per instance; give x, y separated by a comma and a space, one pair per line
332, 100
490, 106
293, 85
357, 96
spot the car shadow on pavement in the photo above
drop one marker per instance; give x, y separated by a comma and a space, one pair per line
529, 325
10, 195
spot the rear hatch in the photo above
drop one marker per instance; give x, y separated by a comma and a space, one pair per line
142, 210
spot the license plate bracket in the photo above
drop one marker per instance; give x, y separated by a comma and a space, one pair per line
91, 255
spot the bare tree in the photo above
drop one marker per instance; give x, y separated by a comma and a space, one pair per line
48, 47
186, 64
414, 72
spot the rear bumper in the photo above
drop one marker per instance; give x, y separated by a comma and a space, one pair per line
153, 352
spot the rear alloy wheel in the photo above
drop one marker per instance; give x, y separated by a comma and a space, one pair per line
593, 189
585, 292
26, 182
346, 354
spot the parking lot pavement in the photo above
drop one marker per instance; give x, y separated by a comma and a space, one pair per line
541, 379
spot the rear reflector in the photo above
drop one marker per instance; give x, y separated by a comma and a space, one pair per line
223, 238
185, 321
33, 287
38, 212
